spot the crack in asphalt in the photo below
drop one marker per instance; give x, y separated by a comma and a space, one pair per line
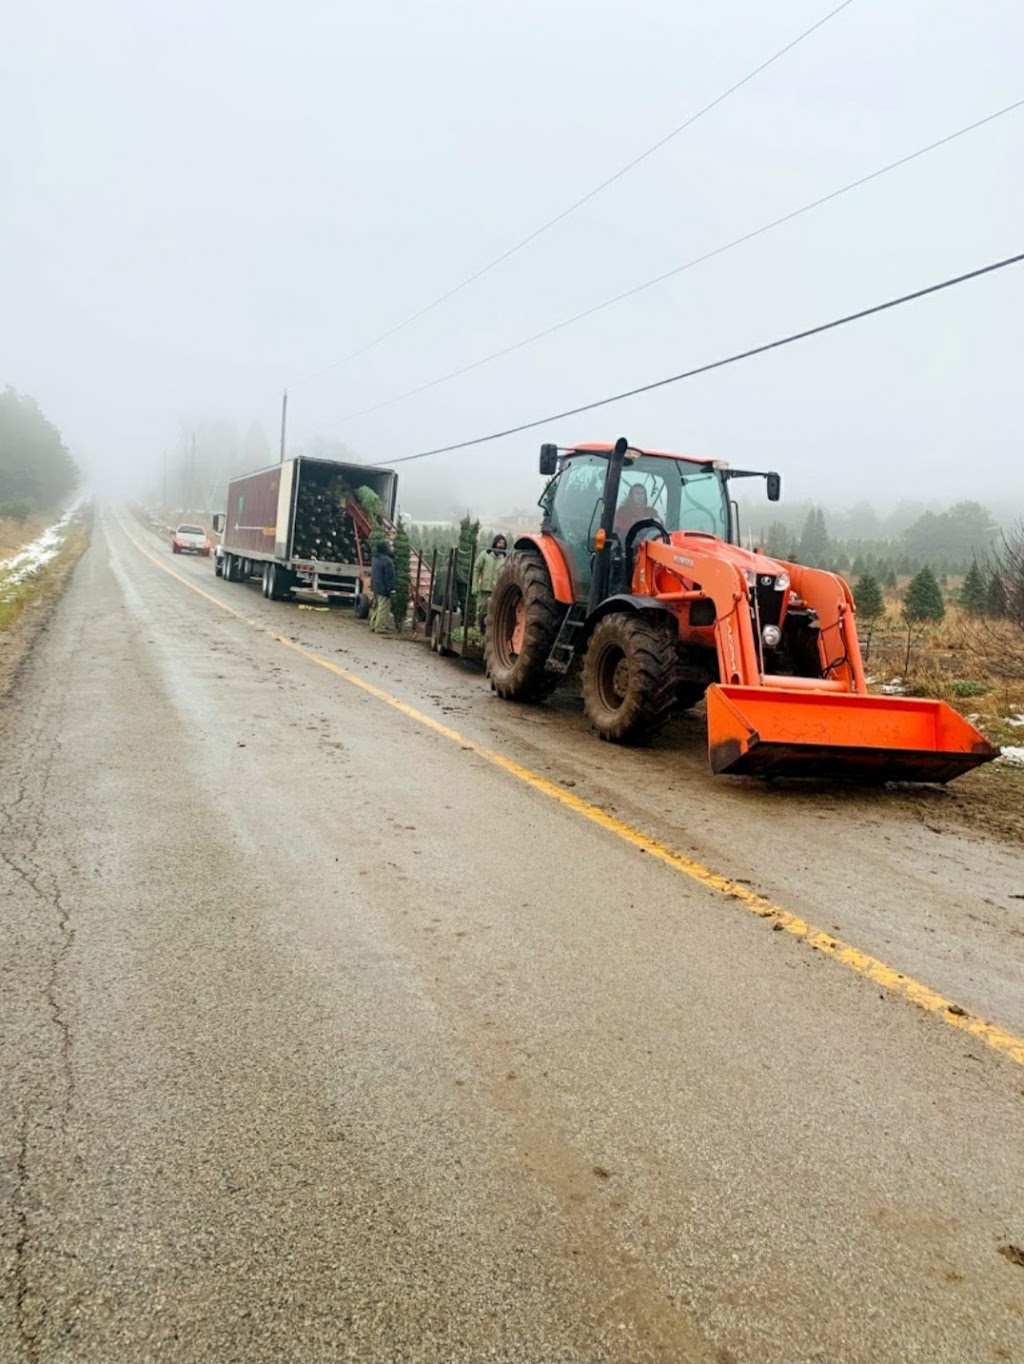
25, 823
26, 1334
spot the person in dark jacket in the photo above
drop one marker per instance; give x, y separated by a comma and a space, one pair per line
382, 585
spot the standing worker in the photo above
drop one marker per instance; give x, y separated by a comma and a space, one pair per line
382, 585
485, 575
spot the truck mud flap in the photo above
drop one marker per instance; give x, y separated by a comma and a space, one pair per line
771, 732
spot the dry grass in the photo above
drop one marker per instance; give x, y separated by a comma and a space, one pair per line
41, 584
978, 667
15, 535
26, 610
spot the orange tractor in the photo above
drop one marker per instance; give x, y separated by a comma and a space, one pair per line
637, 579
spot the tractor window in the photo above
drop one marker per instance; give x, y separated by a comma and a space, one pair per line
681, 495
643, 495
703, 504
575, 510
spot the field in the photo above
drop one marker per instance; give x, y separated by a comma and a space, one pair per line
977, 665
25, 601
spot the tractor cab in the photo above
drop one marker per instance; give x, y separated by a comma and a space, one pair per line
650, 495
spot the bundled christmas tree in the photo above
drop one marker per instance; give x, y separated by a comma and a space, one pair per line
469, 531
400, 596
323, 528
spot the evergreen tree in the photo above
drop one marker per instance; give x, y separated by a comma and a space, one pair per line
870, 605
995, 597
777, 540
33, 461
889, 577
814, 543
973, 597
868, 596
403, 576
923, 601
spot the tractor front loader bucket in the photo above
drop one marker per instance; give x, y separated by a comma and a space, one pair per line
775, 731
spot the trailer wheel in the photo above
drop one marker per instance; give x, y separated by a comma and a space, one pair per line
523, 620
227, 571
437, 638
361, 606
630, 677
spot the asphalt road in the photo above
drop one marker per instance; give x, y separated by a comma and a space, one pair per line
327, 1036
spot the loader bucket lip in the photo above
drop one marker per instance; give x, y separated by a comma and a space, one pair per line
756, 732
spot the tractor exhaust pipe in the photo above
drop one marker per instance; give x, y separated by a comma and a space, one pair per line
602, 562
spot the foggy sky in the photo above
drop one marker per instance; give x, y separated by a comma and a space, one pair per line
202, 203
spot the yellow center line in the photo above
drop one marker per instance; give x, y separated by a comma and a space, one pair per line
999, 1039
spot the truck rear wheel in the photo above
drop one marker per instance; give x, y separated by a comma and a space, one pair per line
277, 582
523, 619
630, 677
227, 571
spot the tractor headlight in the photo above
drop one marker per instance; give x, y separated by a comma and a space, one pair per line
782, 581
771, 636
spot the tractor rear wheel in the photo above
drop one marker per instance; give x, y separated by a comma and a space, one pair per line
630, 677
523, 620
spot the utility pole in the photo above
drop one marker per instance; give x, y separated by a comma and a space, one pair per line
284, 420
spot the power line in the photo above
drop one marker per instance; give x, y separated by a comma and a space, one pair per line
687, 265
591, 194
728, 360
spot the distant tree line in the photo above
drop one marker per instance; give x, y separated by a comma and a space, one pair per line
947, 542
36, 470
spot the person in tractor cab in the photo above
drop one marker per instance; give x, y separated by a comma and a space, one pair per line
635, 508
485, 575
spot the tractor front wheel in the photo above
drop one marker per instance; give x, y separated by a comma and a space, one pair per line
523, 619
630, 677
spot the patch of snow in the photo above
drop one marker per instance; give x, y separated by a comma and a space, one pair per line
1015, 720
894, 687
1013, 756
35, 556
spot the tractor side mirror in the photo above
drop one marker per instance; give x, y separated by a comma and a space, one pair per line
218, 522
548, 460
774, 482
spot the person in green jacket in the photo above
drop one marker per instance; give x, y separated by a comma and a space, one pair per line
485, 575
